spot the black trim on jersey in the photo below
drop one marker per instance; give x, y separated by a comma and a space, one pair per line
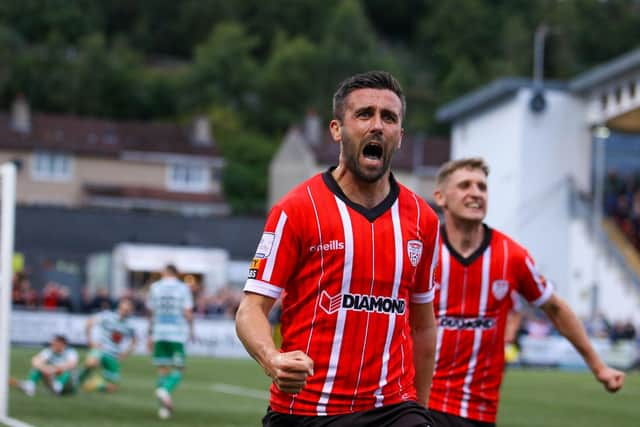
373, 213
486, 240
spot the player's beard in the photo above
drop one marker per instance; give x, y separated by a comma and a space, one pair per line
351, 154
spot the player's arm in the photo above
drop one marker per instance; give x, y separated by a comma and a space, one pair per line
88, 328
188, 315
39, 362
67, 365
568, 324
133, 340
423, 332
290, 370
514, 319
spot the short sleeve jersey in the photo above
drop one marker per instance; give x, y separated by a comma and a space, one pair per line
168, 299
347, 276
472, 301
113, 331
55, 359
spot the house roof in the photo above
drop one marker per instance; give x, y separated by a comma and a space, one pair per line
606, 72
417, 152
488, 95
91, 136
151, 193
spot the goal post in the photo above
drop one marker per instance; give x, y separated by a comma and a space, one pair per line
7, 229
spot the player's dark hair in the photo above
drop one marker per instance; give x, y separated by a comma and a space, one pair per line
171, 269
368, 80
466, 163
61, 338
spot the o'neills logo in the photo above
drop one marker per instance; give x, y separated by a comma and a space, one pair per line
467, 323
374, 304
333, 245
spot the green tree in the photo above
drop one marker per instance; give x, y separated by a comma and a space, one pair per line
223, 71
247, 155
287, 88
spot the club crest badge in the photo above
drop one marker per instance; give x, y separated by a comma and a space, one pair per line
499, 288
414, 250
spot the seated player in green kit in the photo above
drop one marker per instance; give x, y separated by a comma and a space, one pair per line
111, 338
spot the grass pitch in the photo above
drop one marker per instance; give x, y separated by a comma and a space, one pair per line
221, 392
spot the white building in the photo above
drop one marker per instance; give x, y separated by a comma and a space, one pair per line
538, 139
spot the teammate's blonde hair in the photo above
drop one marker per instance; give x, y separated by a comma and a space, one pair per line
466, 163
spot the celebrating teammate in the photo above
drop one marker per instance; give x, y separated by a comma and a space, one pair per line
170, 304
112, 331
351, 252
478, 269
55, 366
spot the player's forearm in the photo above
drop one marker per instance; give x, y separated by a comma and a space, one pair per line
254, 330
568, 324
424, 350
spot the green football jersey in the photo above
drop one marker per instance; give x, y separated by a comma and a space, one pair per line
112, 332
168, 299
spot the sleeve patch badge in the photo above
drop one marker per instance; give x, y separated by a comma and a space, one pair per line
265, 245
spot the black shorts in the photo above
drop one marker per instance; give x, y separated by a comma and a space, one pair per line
442, 419
406, 414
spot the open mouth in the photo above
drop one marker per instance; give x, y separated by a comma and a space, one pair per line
372, 151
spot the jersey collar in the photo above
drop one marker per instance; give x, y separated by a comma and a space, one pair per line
370, 214
486, 240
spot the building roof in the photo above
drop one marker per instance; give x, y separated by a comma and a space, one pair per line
151, 193
488, 95
606, 72
99, 137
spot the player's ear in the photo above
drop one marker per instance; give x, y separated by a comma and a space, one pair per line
400, 140
438, 196
335, 127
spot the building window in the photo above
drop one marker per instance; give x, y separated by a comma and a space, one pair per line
188, 177
51, 166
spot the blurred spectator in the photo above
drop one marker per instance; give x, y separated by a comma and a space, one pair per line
50, 296
598, 326
622, 331
64, 299
101, 301
622, 203
23, 295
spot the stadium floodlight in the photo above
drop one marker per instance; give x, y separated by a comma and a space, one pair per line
7, 229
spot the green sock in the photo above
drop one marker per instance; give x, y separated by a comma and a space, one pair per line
34, 375
84, 374
173, 379
162, 380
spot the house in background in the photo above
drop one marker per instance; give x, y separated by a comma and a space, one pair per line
71, 161
308, 149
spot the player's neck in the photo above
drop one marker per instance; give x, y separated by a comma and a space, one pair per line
464, 236
367, 194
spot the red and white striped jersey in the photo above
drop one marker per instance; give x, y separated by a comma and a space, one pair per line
347, 276
473, 298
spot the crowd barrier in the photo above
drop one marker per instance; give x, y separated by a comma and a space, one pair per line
557, 351
215, 338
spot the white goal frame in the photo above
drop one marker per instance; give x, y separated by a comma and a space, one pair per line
7, 235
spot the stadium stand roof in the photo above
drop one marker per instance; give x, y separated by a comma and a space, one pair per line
488, 95
606, 72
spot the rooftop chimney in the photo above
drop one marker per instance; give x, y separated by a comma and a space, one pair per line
202, 131
20, 115
312, 129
